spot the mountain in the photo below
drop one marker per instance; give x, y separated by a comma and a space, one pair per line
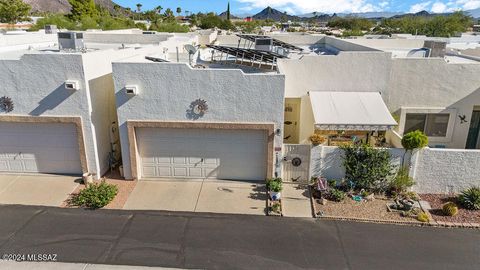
367, 15
475, 13
62, 6
273, 14
223, 15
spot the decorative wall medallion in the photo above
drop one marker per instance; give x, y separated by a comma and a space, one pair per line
6, 104
463, 119
296, 162
197, 109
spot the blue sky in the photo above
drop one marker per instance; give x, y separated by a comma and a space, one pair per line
306, 6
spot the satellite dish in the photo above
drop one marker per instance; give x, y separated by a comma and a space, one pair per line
190, 49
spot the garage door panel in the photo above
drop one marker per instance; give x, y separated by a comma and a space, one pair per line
39, 148
226, 154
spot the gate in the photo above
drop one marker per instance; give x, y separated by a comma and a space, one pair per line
296, 163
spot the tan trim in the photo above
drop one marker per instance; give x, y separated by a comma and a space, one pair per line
269, 129
76, 120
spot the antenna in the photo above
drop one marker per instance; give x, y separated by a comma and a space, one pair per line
191, 51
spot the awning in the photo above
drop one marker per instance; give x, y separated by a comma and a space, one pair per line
350, 111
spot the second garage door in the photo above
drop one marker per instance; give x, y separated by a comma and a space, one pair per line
202, 153
39, 148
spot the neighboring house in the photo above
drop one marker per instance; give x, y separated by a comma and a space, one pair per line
58, 108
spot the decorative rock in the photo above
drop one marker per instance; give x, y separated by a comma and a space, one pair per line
370, 197
425, 205
323, 201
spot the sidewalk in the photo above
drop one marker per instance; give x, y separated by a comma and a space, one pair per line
296, 200
10, 265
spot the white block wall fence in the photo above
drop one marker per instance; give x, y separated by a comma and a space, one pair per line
434, 170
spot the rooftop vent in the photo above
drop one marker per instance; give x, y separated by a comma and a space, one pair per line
71, 41
264, 44
437, 48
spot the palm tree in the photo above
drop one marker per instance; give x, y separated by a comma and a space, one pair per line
315, 14
179, 10
139, 7
159, 9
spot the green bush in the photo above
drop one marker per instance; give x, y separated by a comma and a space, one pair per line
169, 27
275, 184
450, 209
470, 198
414, 140
336, 195
367, 168
402, 181
96, 195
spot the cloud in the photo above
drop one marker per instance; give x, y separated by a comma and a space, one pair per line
420, 6
306, 6
439, 7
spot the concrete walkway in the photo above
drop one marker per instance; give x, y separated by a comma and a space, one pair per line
209, 196
9, 265
296, 201
46, 190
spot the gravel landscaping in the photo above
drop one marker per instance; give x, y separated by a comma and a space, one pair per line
376, 209
125, 187
438, 200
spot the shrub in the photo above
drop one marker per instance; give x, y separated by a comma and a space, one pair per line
414, 140
423, 217
336, 195
401, 182
96, 195
411, 195
274, 184
470, 198
450, 209
317, 139
367, 167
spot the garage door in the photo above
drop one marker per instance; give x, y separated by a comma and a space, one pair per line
39, 148
202, 153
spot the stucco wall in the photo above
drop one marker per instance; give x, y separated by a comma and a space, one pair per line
36, 85
167, 90
435, 83
125, 38
445, 170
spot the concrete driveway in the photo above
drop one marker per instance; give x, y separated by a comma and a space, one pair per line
47, 190
209, 196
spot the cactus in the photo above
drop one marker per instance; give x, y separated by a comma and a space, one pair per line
423, 217
450, 209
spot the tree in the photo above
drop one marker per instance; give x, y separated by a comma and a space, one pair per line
13, 11
179, 10
414, 140
228, 11
139, 7
169, 13
159, 9
83, 8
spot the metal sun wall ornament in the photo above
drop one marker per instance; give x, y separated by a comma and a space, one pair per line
463, 119
6, 104
197, 109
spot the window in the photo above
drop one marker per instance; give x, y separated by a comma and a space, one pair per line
433, 125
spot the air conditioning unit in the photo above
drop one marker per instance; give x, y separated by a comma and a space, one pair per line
72, 85
131, 90
71, 41
264, 44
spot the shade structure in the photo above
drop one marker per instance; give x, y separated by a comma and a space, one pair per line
350, 111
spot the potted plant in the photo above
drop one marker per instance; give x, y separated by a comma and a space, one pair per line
275, 188
317, 139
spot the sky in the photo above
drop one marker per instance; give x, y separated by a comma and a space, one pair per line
298, 7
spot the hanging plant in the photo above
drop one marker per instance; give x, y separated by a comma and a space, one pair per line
6, 104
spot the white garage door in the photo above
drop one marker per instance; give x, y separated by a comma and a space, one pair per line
202, 153
39, 148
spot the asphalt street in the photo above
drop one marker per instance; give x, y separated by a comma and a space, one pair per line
214, 241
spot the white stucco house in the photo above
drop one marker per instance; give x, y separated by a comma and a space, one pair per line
57, 107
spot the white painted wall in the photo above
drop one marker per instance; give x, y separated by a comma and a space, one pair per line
167, 89
445, 170
105, 37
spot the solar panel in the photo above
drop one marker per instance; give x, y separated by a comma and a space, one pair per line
249, 54
276, 42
